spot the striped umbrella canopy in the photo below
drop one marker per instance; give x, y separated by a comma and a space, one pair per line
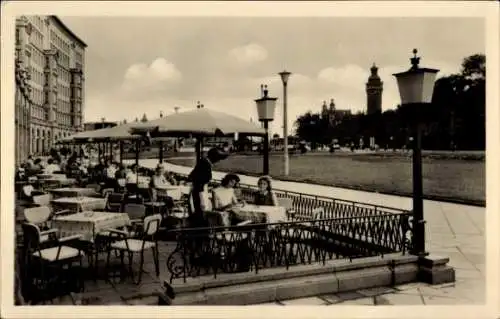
198, 122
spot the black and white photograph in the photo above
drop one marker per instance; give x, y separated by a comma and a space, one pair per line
213, 158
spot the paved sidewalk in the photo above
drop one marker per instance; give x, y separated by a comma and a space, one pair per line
452, 230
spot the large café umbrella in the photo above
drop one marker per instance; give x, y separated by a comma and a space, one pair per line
199, 123
117, 133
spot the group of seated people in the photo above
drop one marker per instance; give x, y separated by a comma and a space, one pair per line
112, 174
56, 163
34, 167
227, 197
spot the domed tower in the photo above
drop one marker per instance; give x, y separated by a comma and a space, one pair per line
374, 88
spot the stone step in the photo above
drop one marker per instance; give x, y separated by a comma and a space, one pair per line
297, 282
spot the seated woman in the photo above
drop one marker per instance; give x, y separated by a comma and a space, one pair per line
223, 197
265, 196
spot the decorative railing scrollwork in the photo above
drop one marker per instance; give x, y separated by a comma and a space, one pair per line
215, 250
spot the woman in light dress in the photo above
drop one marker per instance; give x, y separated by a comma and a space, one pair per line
224, 198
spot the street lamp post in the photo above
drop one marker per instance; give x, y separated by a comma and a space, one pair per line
415, 88
284, 78
265, 110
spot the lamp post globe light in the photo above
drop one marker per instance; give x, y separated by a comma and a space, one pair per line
415, 88
284, 79
265, 110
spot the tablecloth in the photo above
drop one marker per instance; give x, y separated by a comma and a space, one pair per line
79, 204
89, 224
261, 214
174, 191
72, 192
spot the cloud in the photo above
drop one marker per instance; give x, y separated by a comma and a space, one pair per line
248, 54
149, 90
350, 75
150, 77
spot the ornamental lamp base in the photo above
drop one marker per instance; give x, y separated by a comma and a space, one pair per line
434, 270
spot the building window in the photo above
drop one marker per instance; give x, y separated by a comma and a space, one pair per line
18, 36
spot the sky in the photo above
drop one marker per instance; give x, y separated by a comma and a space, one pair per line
153, 64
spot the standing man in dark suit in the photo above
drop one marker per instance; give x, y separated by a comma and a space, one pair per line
200, 176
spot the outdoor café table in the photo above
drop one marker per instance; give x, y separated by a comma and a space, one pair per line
174, 191
92, 227
47, 176
89, 223
56, 181
72, 191
78, 204
261, 213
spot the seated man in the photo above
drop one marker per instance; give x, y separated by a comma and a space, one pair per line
109, 173
158, 180
157, 185
51, 167
131, 180
131, 177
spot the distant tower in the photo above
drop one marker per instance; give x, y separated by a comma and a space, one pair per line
331, 111
374, 88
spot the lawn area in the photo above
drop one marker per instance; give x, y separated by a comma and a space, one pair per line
448, 179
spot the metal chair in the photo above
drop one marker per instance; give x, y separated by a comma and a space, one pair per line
38, 216
42, 200
287, 202
114, 202
136, 213
45, 263
148, 240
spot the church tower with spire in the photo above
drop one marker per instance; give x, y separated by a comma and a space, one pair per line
374, 88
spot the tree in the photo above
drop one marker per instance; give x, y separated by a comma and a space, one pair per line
474, 67
144, 118
310, 128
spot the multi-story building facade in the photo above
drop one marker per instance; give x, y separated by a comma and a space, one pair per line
22, 113
374, 88
53, 58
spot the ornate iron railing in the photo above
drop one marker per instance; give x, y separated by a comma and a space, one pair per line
215, 250
306, 203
